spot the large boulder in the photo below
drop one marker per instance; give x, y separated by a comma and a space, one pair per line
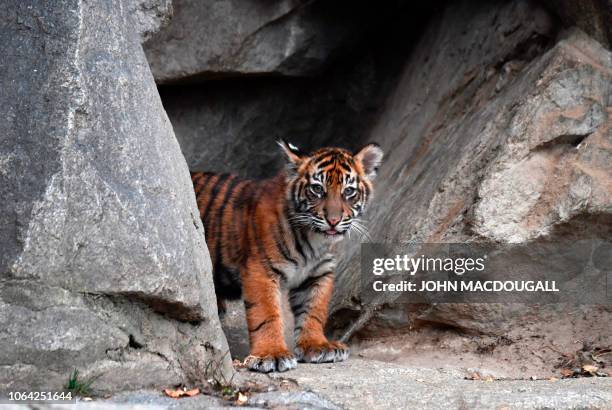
499, 132
211, 38
103, 262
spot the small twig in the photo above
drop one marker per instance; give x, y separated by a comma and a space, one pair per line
365, 315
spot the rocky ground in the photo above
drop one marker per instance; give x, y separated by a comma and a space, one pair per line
361, 383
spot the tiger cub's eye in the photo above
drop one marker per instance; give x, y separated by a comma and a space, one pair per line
317, 189
348, 191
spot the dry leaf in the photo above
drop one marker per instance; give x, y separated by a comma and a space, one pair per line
242, 398
589, 368
192, 392
566, 372
176, 393
552, 379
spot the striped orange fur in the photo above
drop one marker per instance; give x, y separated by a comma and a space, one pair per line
278, 233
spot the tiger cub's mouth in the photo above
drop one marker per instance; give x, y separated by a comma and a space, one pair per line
334, 232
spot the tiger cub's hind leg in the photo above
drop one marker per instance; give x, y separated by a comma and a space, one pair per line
261, 290
309, 303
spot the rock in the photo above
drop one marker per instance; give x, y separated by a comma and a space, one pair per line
295, 399
208, 39
497, 132
592, 16
359, 383
556, 164
148, 16
519, 100
233, 126
103, 262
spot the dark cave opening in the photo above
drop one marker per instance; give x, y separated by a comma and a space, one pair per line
231, 123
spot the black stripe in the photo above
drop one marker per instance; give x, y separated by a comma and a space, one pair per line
315, 278
232, 185
345, 166
296, 191
237, 208
300, 312
305, 238
282, 247
325, 163
200, 183
259, 326
297, 245
219, 218
260, 248
249, 305
322, 156
294, 303
207, 178
318, 265
312, 281
196, 177
253, 199
279, 272
214, 192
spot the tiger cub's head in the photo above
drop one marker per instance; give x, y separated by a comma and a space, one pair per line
328, 190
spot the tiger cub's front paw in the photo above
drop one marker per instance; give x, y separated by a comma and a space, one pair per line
324, 352
267, 362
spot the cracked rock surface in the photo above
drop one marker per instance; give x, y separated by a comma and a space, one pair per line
211, 38
103, 262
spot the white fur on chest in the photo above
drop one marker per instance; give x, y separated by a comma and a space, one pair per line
321, 262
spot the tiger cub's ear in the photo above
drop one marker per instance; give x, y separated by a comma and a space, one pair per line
292, 154
370, 157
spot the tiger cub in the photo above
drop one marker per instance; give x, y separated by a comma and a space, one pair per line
264, 235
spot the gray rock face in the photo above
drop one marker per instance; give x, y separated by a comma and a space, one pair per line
234, 127
592, 16
231, 37
103, 262
496, 132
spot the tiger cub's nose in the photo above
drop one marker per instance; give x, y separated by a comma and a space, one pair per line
333, 221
